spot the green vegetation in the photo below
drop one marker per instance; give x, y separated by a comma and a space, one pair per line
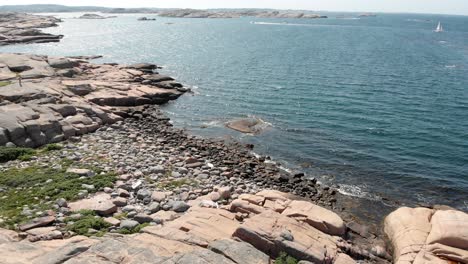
121, 216
88, 221
4, 83
51, 147
284, 258
7, 154
25, 154
136, 229
39, 187
170, 185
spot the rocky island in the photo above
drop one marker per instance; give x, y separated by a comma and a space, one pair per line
194, 13
94, 172
94, 16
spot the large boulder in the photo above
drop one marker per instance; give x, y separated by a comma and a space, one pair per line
408, 229
316, 216
101, 203
423, 236
60, 63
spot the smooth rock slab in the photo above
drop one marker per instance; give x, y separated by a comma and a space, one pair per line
316, 216
264, 230
239, 252
38, 222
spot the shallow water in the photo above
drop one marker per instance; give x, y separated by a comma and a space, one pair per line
378, 105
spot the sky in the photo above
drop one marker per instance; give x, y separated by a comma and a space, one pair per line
459, 7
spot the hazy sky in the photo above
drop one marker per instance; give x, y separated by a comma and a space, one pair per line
413, 6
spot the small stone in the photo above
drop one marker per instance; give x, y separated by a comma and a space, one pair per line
62, 202
142, 218
215, 196
81, 172
194, 165
113, 221
87, 186
179, 206
225, 192
123, 193
158, 169
144, 193
137, 185
153, 207
120, 201
158, 196
128, 208
128, 224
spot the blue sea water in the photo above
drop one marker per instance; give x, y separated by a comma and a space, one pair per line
377, 105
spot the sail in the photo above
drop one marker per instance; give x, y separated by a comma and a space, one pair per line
439, 28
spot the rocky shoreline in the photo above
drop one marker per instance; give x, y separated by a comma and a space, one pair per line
49, 99
24, 28
124, 185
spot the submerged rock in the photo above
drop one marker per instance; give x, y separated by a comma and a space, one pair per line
247, 125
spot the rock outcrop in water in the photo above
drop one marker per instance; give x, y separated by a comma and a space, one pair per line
49, 99
146, 19
23, 28
94, 16
247, 125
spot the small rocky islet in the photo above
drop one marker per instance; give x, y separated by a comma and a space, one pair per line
94, 172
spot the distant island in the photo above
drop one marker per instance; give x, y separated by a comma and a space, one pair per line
94, 16
180, 13
195, 13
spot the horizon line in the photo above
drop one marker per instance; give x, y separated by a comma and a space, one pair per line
234, 8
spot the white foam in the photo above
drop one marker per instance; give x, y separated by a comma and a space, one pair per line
353, 190
281, 24
213, 123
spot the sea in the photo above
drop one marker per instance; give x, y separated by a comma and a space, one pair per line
377, 106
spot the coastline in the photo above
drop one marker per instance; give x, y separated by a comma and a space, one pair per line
245, 173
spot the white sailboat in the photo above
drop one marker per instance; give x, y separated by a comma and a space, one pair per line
439, 28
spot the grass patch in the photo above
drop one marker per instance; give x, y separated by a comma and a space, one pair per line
136, 229
170, 185
7, 154
52, 147
4, 83
285, 259
121, 216
40, 187
89, 220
